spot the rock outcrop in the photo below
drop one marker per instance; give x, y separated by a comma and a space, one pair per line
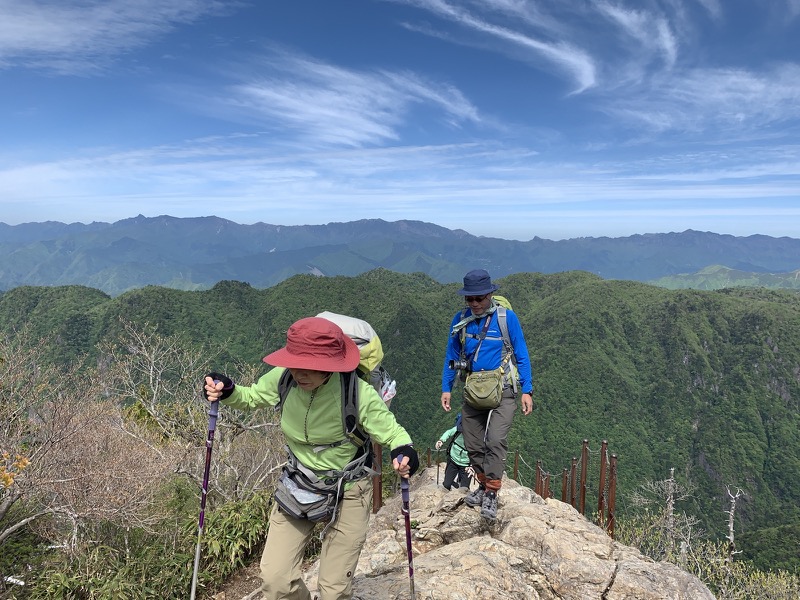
536, 550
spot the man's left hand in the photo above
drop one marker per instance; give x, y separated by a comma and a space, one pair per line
527, 404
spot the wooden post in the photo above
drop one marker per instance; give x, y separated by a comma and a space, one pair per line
429, 457
538, 484
584, 467
601, 504
564, 486
546, 490
377, 480
573, 476
516, 465
612, 496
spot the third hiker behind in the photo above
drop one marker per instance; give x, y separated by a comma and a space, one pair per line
487, 349
457, 458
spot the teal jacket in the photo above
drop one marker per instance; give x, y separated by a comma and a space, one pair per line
313, 419
458, 451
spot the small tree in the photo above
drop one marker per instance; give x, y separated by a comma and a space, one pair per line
657, 531
67, 461
158, 379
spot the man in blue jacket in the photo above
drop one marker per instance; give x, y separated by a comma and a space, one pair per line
479, 350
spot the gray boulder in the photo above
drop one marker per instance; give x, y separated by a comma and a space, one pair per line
536, 550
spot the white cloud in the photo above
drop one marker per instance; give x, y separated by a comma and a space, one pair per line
78, 37
714, 7
716, 101
323, 104
561, 54
651, 32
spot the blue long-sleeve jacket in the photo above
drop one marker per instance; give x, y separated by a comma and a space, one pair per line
491, 350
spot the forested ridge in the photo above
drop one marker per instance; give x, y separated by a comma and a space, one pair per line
705, 382
195, 253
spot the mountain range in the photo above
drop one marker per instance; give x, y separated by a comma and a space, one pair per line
195, 253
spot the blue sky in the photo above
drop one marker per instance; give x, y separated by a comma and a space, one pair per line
506, 118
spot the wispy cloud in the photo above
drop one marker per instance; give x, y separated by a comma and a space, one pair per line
322, 104
714, 7
652, 33
638, 76
717, 101
561, 54
84, 37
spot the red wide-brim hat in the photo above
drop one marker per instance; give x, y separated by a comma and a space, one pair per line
316, 344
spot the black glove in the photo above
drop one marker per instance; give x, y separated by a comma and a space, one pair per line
413, 457
227, 388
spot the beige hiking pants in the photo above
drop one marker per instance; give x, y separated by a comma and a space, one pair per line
341, 547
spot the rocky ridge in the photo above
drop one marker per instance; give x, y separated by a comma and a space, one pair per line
536, 550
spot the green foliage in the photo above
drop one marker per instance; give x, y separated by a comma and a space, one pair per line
716, 277
233, 533
771, 548
664, 533
136, 565
702, 381
22, 553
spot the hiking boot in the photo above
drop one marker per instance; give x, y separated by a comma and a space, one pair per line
474, 498
489, 505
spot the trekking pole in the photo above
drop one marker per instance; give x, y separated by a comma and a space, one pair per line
407, 514
438, 466
213, 411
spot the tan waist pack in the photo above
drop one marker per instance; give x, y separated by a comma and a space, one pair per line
483, 390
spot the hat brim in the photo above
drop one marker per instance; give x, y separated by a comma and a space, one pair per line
331, 364
492, 288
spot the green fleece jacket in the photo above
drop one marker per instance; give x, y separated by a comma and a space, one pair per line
458, 451
313, 419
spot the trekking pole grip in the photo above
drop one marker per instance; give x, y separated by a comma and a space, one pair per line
213, 413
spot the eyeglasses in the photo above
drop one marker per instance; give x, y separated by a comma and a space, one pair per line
471, 299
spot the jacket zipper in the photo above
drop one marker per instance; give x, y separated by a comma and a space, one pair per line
305, 423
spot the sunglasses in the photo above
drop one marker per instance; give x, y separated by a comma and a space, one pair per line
471, 299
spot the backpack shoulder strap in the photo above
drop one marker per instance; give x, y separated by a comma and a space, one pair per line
285, 384
350, 383
503, 323
349, 401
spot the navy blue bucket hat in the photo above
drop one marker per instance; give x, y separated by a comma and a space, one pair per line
477, 283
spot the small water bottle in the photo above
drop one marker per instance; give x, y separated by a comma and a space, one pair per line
302, 496
389, 390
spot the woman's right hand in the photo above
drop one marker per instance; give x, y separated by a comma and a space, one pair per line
438, 444
217, 386
213, 389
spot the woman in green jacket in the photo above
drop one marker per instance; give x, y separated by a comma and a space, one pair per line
317, 354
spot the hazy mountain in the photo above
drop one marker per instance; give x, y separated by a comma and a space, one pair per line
717, 277
195, 253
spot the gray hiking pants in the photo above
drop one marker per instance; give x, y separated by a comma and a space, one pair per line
486, 435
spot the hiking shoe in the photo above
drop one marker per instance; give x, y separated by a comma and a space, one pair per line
474, 498
489, 505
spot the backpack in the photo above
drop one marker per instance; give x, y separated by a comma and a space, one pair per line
369, 369
458, 432
369, 345
503, 305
